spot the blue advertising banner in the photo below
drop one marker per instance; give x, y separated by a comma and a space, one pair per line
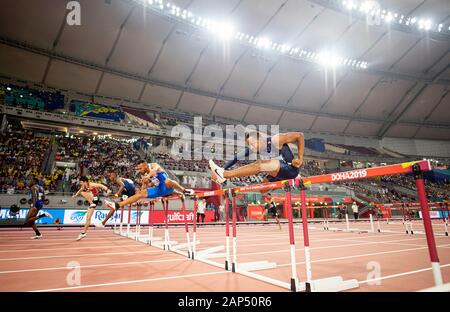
56, 213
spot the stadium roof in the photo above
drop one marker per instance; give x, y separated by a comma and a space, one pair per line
390, 79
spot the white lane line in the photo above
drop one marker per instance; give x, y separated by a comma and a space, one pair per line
86, 255
361, 255
70, 248
400, 274
55, 240
134, 281
92, 266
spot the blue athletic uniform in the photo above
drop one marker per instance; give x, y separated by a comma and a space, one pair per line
37, 192
287, 171
161, 190
129, 189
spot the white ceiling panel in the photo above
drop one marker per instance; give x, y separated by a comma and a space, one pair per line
248, 75
282, 81
117, 86
363, 128
440, 67
22, 64
34, 22
228, 109
215, 9
140, 42
442, 112
437, 10
389, 49
293, 18
196, 103
262, 116
357, 40
351, 93
315, 89
215, 65
329, 125
384, 98
434, 133
194, 58
322, 34
252, 15
296, 121
72, 77
424, 103
401, 131
179, 56
400, 6
428, 51
160, 96
99, 28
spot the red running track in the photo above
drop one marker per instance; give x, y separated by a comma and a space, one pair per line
109, 262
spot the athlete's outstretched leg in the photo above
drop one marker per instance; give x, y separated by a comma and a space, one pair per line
131, 200
271, 167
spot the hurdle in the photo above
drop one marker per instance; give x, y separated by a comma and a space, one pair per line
186, 227
138, 221
129, 221
407, 221
121, 221
415, 167
150, 222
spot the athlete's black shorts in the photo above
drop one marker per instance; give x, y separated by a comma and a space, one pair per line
96, 200
286, 172
272, 212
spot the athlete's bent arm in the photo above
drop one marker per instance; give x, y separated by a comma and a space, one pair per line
121, 187
292, 137
101, 186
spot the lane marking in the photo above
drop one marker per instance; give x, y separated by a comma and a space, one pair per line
134, 281
92, 266
400, 274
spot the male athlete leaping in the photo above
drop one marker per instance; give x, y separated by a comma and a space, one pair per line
90, 192
127, 188
155, 183
277, 169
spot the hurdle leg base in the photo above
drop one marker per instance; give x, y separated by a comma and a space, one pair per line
233, 267
293, 285
333, 284
307, 287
